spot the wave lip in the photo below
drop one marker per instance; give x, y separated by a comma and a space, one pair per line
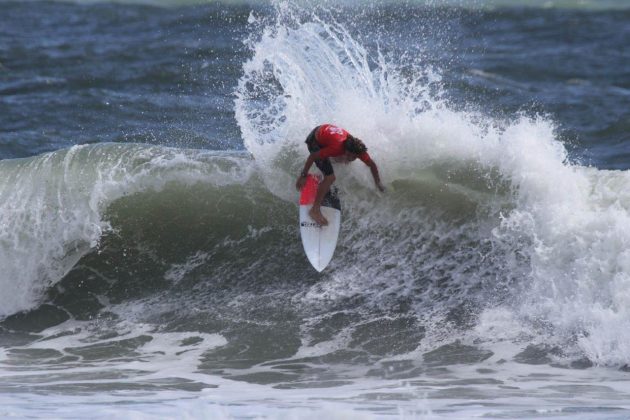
555, 231
481, 213
52, 206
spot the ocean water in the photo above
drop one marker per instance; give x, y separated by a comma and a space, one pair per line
150, 261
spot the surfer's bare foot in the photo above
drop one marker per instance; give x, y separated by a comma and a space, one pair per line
316, 214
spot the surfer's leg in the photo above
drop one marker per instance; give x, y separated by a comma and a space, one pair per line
325, 166
322, 190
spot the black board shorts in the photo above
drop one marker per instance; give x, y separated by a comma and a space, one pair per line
324, 165
332, 197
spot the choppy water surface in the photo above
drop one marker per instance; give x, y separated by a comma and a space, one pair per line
150, 261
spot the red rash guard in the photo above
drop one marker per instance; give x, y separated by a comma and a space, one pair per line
331, 139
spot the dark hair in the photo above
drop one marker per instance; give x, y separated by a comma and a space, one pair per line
354, 145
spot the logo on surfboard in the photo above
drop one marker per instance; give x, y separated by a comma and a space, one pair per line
310, 224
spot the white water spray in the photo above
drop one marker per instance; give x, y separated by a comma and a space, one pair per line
571, 223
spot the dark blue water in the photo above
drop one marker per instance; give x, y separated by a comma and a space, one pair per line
162, 256
74, 74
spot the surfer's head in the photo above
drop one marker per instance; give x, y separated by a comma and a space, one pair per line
353, 147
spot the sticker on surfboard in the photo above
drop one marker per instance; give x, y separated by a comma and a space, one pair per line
319, 242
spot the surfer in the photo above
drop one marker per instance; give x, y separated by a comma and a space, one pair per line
324, 142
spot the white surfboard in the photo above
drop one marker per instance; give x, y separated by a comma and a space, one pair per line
319, 241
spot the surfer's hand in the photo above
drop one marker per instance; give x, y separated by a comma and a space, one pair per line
380, 187
300, 182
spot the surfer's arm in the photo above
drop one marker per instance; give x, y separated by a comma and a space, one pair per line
375, 175
307, 165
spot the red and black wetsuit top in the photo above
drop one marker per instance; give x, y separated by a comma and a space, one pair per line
330, 139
